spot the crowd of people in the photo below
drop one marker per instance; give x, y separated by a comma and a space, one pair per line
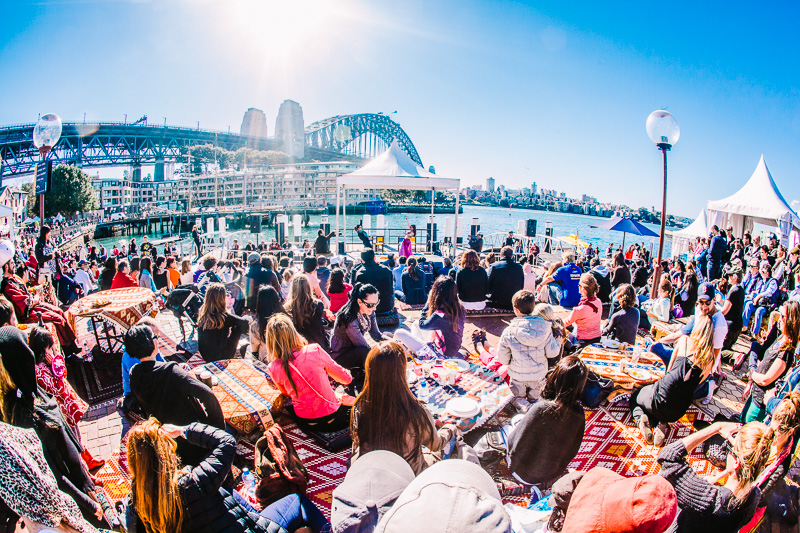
314, 319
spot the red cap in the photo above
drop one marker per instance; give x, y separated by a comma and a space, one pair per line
606, 502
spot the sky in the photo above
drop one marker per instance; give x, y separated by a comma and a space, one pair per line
555, 93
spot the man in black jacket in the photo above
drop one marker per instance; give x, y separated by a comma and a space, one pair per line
169, 393
505, 278
322, 244
380, 277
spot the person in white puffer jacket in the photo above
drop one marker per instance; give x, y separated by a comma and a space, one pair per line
525, 346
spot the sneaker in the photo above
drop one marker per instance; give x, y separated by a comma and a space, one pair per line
659, 434
644, 428
737, 364
521, 405
706, 400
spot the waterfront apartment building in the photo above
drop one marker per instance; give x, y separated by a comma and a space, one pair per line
296, 184
16, 200
490, 185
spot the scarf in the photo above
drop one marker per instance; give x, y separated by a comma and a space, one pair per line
591, 303
28, 486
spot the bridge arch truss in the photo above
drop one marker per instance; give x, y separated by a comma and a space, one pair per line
365, 135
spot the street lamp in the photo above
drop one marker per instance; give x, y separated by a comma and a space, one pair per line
662, 128
46, 134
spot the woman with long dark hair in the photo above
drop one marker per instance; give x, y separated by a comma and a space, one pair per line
413, 283
353, 321
307, 312
218, 331
686, 297
472, 281
168, 499
301, 370
772, 359
268, 304
107, 275
387, 416
620, 273
443, 315
543, 441
338, 290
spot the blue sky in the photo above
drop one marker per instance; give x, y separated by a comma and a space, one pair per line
555, 93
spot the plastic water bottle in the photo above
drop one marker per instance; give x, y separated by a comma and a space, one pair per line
249, 481
423, 391
637, 353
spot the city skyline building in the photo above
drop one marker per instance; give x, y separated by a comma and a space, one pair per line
290, 128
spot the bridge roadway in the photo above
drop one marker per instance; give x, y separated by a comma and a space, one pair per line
117, 144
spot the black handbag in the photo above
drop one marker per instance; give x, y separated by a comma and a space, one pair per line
491, 449
596, 390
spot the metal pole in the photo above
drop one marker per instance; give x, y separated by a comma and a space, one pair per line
455, 224
657, 270
338, 202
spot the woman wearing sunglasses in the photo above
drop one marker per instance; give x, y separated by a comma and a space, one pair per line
349, 347
772, 359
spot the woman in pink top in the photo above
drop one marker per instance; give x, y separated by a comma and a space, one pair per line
300, 370
338, 290
587, 314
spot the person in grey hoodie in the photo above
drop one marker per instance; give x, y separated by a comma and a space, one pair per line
525, 345
603, 278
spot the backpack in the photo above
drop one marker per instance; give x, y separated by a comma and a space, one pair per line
279, 467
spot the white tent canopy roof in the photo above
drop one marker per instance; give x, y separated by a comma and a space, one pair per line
698, 228
394, 169
758, 201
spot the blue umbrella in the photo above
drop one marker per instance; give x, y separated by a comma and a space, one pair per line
625, 225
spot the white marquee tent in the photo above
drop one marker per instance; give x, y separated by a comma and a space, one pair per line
682, 238
758, 202
394, 169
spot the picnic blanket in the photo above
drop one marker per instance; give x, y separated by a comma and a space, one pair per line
474, 383
245, 393
608, 363
123, 307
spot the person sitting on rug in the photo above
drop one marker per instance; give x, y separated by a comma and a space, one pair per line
762, 299
777, 498
525, 346
168, 392
771, 360
29, 492
307, 312
218, 331
443, 316
543, 441
106, 277
733, 307
28, 307
127, 403
300, 370
165, 498
379, 276
413, 283
707, 507
506, 277
25, 405
667, 399
7, 315
588, 314
357, 318
623, 325
657, 308
338, 290
472, 282
51, 376
269, 304
387, 416
123, 279
602, 500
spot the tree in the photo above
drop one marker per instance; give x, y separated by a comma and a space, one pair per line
32, 207
70, 191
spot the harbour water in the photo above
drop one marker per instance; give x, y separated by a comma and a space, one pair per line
491, 220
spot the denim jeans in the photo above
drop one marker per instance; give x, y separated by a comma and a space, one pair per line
291, 512
554, 290
663, 353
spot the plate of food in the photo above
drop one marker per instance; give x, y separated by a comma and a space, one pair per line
462, 407
639, 374
456, 364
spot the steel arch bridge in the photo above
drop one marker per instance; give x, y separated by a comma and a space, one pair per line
117, 144
364, 135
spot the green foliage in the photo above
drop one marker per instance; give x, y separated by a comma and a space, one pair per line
70, 191
33, 209
504, 202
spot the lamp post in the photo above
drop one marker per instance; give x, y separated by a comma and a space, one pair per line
662, 128
46, 134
